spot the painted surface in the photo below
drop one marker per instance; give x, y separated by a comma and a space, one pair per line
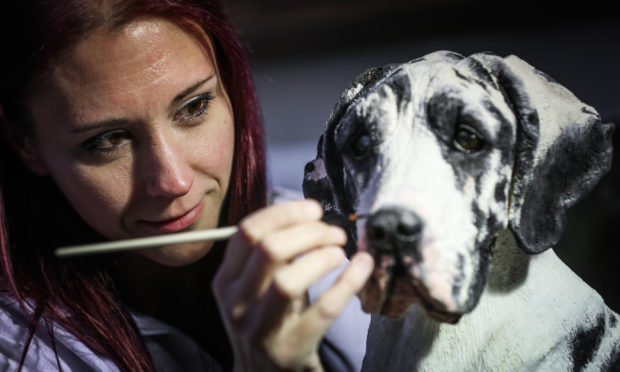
467, 167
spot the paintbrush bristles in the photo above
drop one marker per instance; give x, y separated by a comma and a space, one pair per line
343, 219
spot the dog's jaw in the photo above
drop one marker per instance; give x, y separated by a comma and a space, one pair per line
398, 299
394, 287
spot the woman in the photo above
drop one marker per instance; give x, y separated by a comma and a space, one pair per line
127, 118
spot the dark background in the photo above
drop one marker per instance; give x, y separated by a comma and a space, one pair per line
304, 53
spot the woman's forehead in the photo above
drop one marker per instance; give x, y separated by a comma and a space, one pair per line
140, 53
132, 73
147, 60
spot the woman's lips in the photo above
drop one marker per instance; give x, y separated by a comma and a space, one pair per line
178, 223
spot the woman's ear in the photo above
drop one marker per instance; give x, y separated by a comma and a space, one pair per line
24, 147
31, 157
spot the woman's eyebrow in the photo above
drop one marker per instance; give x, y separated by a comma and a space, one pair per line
186, 92
120, 122
100, 124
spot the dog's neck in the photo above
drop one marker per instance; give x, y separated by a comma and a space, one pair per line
510, 327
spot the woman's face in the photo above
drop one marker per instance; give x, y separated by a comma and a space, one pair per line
137, 131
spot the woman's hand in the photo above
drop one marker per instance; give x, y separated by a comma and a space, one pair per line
261, 286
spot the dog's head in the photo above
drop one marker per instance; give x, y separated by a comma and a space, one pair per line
444, 152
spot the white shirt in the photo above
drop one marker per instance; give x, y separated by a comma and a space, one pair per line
170, 349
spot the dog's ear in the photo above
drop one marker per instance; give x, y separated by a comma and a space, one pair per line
562, 150
317, 184
324, 176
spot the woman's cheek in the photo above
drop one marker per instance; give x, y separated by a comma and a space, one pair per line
214, 149
100, 197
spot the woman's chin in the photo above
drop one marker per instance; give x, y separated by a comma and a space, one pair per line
178, 254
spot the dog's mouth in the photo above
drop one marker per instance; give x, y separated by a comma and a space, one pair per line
394, 235
395, 286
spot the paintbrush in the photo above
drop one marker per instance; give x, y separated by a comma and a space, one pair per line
221, 233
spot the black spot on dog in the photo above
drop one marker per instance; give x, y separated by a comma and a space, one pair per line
401, 86
479, 215
350, 187
454, 56
318, 189
587, 110
466, 166
483, 262
420, 59
613, 363
459, 75
566, 174
585, 343
500, 191
468, 79
368, 80
481, 72
493, 224
487, 219
613, 321
545, 76
442, 112
504, 138
481, 253
443, 117
527, 119
460, 275
358, 162
309, 168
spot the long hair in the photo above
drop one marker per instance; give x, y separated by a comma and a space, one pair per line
34, 215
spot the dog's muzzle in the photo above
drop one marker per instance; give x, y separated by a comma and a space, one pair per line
393, 237
395, 231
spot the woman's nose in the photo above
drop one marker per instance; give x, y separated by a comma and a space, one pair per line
168, 173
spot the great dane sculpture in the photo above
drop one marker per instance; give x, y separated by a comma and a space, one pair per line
467, 166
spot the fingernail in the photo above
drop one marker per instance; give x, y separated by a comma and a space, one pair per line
340, 233
338, 252
363, 261
312, 206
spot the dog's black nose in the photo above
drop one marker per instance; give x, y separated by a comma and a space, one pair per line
394, 229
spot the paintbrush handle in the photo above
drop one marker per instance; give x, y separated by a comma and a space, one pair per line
176, 238
151, 241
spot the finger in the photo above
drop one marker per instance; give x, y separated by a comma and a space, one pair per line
289, 287
223, 281
235, 256
294, 279
280, 248
255, 226
321, 314
286, 244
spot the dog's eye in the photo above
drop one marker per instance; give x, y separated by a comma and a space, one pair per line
467, 140
360, 144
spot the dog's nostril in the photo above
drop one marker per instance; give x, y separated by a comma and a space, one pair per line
376, 233
409, 229
394, 229
409, 224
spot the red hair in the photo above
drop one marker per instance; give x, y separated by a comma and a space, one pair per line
32, 209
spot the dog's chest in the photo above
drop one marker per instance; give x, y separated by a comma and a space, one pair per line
539, 326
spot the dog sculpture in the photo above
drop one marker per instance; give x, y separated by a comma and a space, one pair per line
467, 167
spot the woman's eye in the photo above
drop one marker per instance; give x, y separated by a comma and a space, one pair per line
467, 140
193, 108
107, 142
360, 144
